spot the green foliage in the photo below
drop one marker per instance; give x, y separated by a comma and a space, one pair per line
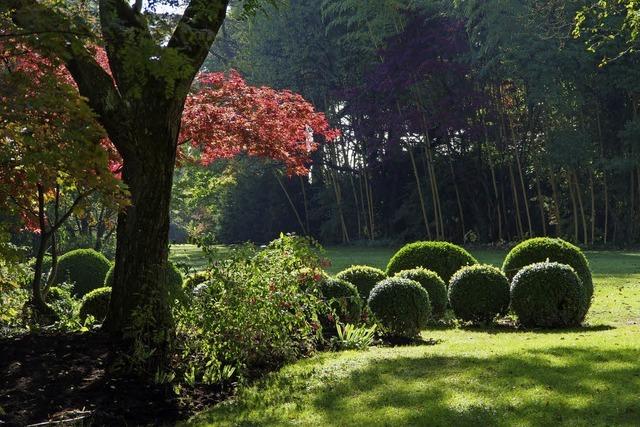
173, 277
256, 311
443, 258
96, 304
66, 306
363, 277
479, 293
194, 280
15, 274
433, 284
542, 249
343, 300
85, 268
547, 294
352, 337
401, 305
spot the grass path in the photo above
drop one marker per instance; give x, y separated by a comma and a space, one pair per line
584, 377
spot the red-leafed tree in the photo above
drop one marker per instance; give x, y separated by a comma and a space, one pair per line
53, 154
140, 105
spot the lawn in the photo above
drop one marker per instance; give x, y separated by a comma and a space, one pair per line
588, 376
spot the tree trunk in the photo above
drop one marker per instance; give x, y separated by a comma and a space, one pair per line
524, 191
53, 272
420, 195
497, 198
45, 313
293, 205
140, 309
592, 193
556, 202
575, 207
583, 217
458, 199
543, 218
515, 202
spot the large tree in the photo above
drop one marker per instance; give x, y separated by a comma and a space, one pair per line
140, 106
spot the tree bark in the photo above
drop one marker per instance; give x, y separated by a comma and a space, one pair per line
140, 311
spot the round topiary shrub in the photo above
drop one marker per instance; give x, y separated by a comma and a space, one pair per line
363, 277
85, 268
96, 304
547, 294
542, 249
174, 279
441, 257
343, 299
433, 284
401, 305
478, 293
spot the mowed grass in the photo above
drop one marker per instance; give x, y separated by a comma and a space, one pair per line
472, 377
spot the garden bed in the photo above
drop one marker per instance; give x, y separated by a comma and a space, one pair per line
54, 377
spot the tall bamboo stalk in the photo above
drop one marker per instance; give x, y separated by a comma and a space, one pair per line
420, 195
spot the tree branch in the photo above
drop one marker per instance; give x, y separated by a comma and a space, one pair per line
126, 30
196, 32
67, 214
58, 40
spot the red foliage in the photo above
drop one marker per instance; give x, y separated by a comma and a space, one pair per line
222, 118
226, 117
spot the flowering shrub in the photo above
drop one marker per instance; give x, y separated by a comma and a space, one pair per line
257, 311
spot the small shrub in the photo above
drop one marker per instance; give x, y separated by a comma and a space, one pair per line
363, 277
478, 293
351, 337
343, 300
441, 257
401, 305
542, 249
61, 299
433, 284
547, 294
85, 268
96, 304
257, 311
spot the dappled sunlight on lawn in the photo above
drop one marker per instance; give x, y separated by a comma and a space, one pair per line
538, 379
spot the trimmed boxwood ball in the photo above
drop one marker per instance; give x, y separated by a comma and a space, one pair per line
343, 298
541, 249
401, 305
478, 293
444, 258
96, 304
433, 284
363, 277
547, 294
85, 268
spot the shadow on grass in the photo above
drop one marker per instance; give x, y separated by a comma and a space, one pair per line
559, 385
511, 329
554, 386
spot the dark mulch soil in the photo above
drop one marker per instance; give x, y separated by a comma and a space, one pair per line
53, 377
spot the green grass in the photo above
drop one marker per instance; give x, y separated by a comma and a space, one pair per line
192, 256
471, 377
